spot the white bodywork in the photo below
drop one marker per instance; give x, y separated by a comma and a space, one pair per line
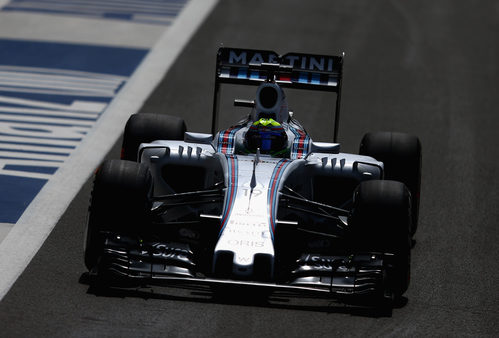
252, 184
247, 228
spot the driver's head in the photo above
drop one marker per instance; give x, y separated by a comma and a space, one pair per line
270, 103
268, 135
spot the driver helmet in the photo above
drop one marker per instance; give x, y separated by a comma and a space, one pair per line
267, 135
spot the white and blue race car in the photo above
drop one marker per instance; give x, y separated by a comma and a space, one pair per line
259, 204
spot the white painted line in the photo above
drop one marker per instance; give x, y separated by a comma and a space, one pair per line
87, 30
29, 162
13, 156
4, 230
100, 7
25, 174
28, 235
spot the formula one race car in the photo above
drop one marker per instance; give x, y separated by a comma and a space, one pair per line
259, 204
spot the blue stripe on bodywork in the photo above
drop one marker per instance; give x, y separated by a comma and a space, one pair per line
242, 73
226, 138
273, 189
303, 78
296, 143
316, 78
232, 172
255, 75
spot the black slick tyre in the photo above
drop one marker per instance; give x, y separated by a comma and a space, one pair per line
120, 202
401, 156
145, 128
380, 222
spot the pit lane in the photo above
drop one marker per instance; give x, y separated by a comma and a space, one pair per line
424, 67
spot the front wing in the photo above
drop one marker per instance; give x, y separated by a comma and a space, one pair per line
127, 262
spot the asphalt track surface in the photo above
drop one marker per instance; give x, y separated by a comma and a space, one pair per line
425, 67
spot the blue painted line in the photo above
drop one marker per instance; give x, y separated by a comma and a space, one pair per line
32, 169
46, 123
145, 11
98, 59
67, 116
50, 98
74, 73
60, 146
73, 139
117, 16
17, 194
34, 152
37, 130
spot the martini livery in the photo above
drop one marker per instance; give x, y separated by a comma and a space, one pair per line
258, 204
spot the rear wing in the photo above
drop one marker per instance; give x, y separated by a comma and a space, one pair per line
291, 70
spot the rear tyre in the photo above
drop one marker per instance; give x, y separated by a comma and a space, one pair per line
120, 202
401, 155
380, 222
145, 128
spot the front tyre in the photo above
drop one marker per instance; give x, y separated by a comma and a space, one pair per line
120, 202
401, 156
145, 128
380, 222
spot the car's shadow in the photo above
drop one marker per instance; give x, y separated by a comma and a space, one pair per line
235, 296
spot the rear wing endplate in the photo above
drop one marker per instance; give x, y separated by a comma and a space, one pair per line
291, 70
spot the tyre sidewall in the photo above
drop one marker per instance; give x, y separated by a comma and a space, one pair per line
380, 222
146, 128
120, 203
402, 159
